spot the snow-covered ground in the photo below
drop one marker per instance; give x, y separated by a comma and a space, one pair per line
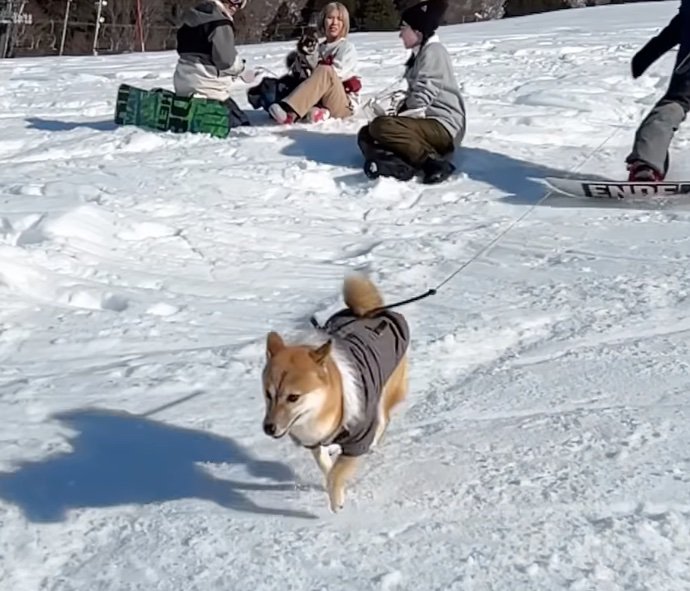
545, 441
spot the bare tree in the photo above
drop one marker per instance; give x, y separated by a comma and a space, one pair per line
490, 9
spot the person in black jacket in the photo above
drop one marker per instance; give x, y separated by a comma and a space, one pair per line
208, 61
649, 158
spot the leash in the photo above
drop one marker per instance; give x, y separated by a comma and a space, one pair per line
315, 323
488, 246
168, 405
683, 66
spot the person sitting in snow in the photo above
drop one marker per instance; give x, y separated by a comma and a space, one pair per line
208, 61
300, 63
430, 121
648, 160
332, 88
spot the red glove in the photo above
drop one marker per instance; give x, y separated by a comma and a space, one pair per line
352, 85
327, 61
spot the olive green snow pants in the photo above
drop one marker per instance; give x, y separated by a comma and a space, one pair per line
411, 138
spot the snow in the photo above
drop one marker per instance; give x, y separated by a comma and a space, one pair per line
544, 443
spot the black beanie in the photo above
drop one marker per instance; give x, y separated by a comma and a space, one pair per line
426, 16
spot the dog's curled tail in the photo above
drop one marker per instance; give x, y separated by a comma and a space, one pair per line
361, 295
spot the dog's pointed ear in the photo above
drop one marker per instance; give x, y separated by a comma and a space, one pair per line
321, 354
274, 344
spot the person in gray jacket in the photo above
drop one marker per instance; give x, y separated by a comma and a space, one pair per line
649, 160
208, 62
430, 120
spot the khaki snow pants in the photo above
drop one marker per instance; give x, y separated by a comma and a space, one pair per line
323, 88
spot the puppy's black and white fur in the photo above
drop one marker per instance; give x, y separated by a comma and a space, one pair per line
302, 60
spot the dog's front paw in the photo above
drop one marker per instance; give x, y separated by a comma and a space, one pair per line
336, 498
336, 506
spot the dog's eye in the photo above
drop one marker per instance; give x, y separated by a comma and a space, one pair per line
292, 398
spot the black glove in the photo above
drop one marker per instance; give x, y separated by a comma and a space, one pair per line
642, 60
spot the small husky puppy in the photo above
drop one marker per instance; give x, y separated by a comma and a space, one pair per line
302, 61
339, 385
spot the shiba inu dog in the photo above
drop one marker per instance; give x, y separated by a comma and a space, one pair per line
338, 385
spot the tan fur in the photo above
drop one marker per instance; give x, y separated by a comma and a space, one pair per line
342, 471
311, 374
361, 295
394, 393
303, 371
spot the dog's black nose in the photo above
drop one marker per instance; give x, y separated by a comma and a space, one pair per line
269, 429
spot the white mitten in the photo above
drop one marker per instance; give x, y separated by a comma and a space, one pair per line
249, 76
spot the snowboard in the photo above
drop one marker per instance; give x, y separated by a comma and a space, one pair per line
162, 110
640, 191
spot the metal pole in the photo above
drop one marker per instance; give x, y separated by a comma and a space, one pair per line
98, 26
64, 27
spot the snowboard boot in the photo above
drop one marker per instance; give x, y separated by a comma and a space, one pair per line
388, 165
371, 169
643, 172
436, 170
318, 114
282, 114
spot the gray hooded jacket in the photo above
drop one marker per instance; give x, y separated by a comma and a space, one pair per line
433, 90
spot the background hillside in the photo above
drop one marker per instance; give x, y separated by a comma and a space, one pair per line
263, 20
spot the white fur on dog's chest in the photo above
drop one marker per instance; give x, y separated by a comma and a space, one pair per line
307, 434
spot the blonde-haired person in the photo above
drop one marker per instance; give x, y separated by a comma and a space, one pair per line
208, 62
333, 87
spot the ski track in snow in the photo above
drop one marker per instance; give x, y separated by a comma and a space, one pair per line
544, 444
